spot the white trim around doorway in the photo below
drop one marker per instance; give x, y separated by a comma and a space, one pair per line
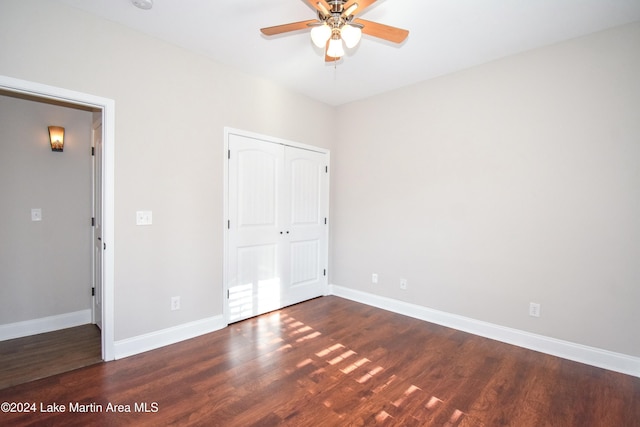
107, 106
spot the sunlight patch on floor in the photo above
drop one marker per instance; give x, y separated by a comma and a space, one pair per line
455, 416
328, 350
354, 366
432, 403
300, 331
382, 415
405, 395
342, 357
381, 387
338, 358
311, 336
304, 363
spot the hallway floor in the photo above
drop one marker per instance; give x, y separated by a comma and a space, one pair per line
39, 356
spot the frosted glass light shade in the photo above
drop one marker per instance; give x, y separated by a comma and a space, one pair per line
320, 35
351, 35
335, 49
56, 138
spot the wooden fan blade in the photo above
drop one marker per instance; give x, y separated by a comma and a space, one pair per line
386, 32
362, 5
285, 28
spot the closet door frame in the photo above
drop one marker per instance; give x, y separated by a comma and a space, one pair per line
228, 131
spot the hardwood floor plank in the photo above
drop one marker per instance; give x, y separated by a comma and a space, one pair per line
42, 355
333, 362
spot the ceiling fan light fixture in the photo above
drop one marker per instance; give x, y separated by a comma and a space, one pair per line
336, 26
320, 35
350, 35
335, 49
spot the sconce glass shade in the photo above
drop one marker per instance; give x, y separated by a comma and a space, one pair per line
320, 35
335, 49
56, 138
350, 35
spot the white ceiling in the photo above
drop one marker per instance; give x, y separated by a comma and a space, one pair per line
445, 36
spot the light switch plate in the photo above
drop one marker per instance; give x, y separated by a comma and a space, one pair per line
144, 218
534, 309
36, 214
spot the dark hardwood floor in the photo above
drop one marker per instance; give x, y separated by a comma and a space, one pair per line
42, 355
332, 362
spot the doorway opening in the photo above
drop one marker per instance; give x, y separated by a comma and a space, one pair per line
103, 261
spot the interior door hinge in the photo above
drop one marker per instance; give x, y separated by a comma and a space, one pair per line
228, 154
326, 169
325, 221
93, 222
325, 272
227, 293
93, 292
228, 224
93, 151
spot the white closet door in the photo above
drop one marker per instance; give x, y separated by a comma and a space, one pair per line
255, 181
305, 213
277, 236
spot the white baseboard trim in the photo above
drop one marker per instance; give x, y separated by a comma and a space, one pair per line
151, 341
605, 359
44, 324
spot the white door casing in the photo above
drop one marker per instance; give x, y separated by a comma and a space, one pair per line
276, 232
107, 108
97, 225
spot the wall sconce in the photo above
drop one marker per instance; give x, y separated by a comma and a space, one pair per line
56, 137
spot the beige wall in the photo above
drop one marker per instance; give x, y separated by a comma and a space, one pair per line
171, 109
45, 266
513, 182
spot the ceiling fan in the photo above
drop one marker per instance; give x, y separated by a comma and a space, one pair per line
337, 26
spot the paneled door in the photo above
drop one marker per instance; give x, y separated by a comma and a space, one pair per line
277, 225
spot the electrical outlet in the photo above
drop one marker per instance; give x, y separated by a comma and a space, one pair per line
374, 278
403, 284
534, 309
175, 303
